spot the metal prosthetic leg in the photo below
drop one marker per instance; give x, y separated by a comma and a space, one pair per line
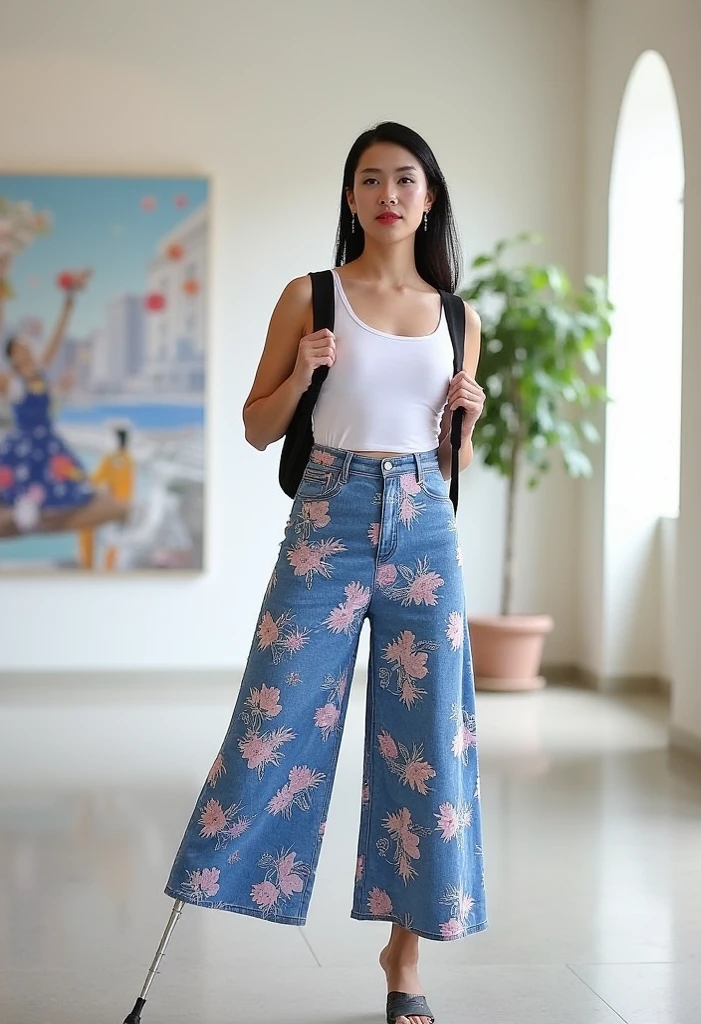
135, 1015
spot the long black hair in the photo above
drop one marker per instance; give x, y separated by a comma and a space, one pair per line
436, 251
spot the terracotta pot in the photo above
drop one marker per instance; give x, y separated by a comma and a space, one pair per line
507, 651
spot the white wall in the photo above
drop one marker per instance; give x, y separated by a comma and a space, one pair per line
617, 33
266, 97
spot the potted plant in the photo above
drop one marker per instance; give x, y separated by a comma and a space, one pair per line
538, 368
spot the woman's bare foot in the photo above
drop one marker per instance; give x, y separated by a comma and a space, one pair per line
400, 961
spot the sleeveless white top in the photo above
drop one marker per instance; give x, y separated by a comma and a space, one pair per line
384, 392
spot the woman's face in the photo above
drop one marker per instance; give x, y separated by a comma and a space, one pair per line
22, 359
389, 178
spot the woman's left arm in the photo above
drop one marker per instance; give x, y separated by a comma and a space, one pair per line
54, 343
79, 282
464, 392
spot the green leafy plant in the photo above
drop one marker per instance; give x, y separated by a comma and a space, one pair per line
538, 367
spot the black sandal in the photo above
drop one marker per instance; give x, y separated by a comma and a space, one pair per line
402, 1004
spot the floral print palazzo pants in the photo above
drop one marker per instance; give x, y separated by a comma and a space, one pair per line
366, 538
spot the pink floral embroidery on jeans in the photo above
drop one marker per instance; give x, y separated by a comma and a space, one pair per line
466, 735
296, 792
313, 515
405, 834
455, 630
422, 589
453, 821
379, 903
265, 894
411, 768
307, 559
317, 512
461, 905
216, 771
284, 877
346, 617
409, 484
326, 719
204, 882
408, 659
261, 704
451, 929
386, 575
323, 458
280, 636
388, 748
409, 509
262, 750
222, 825
419, 585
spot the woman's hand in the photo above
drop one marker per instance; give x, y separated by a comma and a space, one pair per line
73, 282
318, 349
81, 279
465, 393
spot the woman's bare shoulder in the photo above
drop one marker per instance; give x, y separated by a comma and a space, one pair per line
295, 303
298, 289
472, 319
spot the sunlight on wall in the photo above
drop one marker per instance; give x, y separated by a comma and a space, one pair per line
643, 359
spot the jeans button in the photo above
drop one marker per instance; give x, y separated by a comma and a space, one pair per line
387, 465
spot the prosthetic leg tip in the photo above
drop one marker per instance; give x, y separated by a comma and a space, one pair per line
135, 1015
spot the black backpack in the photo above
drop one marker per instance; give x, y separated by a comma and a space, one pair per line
298, 441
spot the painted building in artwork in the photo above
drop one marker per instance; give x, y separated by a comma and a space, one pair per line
99, 361
175, 309
118, 352
72, 368
126, 335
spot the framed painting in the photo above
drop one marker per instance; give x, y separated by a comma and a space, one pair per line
103, 366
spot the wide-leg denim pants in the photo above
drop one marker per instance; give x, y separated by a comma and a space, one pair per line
371, 538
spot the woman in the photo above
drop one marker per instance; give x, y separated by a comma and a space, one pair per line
371, 534
43, 485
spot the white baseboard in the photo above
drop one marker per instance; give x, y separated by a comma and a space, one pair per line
574, 675
123, 684
157, 682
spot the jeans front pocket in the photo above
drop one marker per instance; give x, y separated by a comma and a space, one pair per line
434, 486
318, 483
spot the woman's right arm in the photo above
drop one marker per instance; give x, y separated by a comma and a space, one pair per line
290, 356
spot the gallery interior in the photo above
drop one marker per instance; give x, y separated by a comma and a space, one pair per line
166, 170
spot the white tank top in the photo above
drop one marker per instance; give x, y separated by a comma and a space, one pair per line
384, 393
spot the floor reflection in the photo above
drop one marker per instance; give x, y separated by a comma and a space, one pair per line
592, 839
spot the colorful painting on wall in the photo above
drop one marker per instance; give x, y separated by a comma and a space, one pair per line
103, 322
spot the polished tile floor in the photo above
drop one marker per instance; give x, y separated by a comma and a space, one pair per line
592, 856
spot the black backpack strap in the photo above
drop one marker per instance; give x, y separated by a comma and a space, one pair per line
323, 300
299, 438
324, 306
455, 315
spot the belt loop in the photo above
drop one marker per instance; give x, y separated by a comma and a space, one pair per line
346, 467
419, 467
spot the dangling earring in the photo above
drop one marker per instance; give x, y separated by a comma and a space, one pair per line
425, 220
353, 224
